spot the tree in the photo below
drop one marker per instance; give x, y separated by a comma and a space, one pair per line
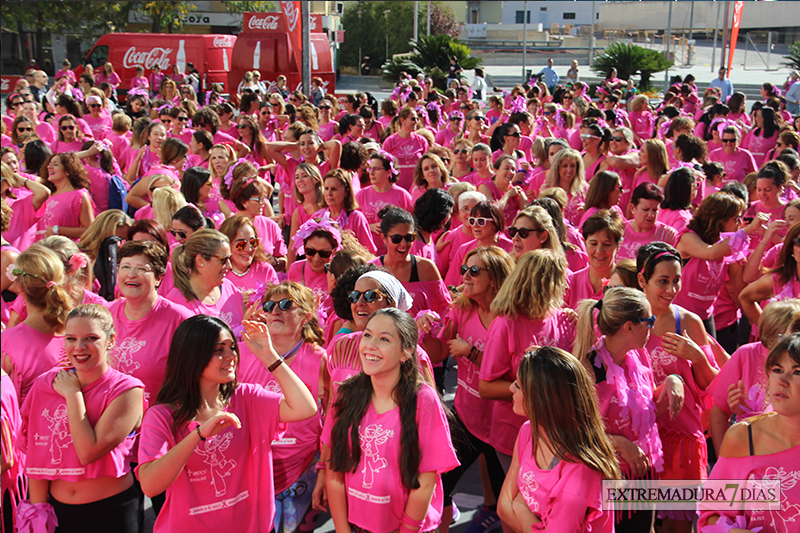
629, 60
431, 56
443, 20
169, 14
242, 7
793, 57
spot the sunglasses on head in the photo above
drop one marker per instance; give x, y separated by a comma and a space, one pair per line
473, 270
239, 246
284, 305
311, 252
397, 238
478, 221
178, 234
369, 296
586, 136
65, 128
522, 232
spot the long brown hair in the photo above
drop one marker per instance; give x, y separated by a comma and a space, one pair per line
787, 269
710, 217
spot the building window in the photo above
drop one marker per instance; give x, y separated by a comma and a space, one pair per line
519, 17
569, 16
542, 9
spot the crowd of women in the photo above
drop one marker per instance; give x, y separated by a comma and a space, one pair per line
246, 312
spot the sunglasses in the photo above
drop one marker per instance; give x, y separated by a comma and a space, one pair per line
618, 139
178, 234
397, 238
522, 232
586, 136
243, 126
546, 113
311, 252
23, 130
728, 140
93, 106
183, 119
239, 246
479, 118
473, 270
478, 221
15, 104
515, 134
283, 305
455, 119
650, 321
186, 92
65, 128
324, 107
224, 260
465, 152
413, 118
369, 296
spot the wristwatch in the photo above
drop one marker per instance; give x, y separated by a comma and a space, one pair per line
55, 230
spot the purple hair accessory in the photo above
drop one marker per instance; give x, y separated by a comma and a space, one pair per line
139, 91
229, 175
167, 106
724, 525
423, 114
518, 105
725, 123
311, 226
560, 122
777, 91
433, 105
602, 123
392, 169
664, 128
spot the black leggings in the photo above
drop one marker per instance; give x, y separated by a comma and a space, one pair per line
115, 514
468, 449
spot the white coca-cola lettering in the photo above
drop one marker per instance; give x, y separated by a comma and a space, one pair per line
156, 56
222, 41
313, 25
269, 22
292, 14
6, 85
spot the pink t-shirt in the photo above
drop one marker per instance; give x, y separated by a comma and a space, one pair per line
141, 349
642, 124
457, 238
270, 235
506, 343
783, 466
736, 166
46, 132
474, 411
566, 498
61, 147
702, 280
300, 272
676, 219
46, 438
632, 240
579, 287
22, 228
371, 202
445, 137
12, 480
120, 145
228, 307
355, 222
31, 353
256, 278
512, 206
758, 145
407, 152
589, 211
99, 125
746, 364
376, 497
327, 131
227, 480
98, 184
63, 210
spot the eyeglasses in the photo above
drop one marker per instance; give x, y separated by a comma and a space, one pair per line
15, 104
23, 130
478, 221
183, 119
239, 246
728, 140
473, 270
465, 152
324, 107
243, 126
586, 137
178, 234
618, 139
397, 238
224, 260
369, 296
284, 305
522, 232
65, 128
259, 199
515, 134
546, 113
445, 159
650, 321
311, 252
566, 97
93, 106
135, 270
186, 92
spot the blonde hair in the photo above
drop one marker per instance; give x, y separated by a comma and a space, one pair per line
99, 314
39, 267
535, 287
578, 185
105, 225
203, 242
166, 202
313, 173
557, 194
499, 266
419, 180
304, 298
775, 320
540, 218
618, 306
65, 248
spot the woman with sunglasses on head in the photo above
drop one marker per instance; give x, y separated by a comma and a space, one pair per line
393, 408
250, 195
463, 337
764, 448
678, 346
528, 311
295, 333
250, 270
630, 401
203, 416
487, 227
562, 454
406, 146
69, 210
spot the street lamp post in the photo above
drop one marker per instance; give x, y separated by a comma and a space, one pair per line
360, 59
386, 15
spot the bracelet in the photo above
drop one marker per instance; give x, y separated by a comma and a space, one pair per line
202, 438
276, 364
320, 466
410, 523
679, 377
25, 183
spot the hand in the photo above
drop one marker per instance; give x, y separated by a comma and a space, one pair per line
572, 315
634, 456
256, 336
375, 227
96, 148
140, 153
251, 308
319, 498
427, 321
49, 231
673, 389
736, 395
459, 347
758, 225
681, 346
217, 423
772, 230
246, 294
66, 383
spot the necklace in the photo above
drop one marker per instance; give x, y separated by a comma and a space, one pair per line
243, 274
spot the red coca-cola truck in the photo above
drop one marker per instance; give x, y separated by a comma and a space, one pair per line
210, 54
272, 44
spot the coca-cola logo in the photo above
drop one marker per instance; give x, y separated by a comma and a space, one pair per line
223, 41
6, 85
313, 24
268, 22
292, 14
157, 56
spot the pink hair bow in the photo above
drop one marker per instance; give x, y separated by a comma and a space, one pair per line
229, 175
163, 107
518, 105
139, 91
664, 128
311, 226
423, 114
390, 157
726, 123
560, 122
724, 525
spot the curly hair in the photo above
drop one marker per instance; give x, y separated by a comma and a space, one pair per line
73, 168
